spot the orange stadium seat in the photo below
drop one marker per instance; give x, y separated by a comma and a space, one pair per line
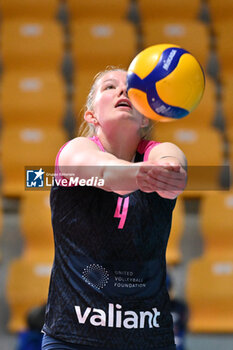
230, 136
174, 255
209, 294
31, 44
97, 44
101, 9
189, 34
39, 98
36, 232
27, 287
27, 147
204, 151
43, 9
1, 224
227, 98
217, 234
230, 144
83, 80
220, 10
224, 32
168, 9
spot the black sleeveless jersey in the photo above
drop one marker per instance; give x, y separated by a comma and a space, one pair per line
108, 281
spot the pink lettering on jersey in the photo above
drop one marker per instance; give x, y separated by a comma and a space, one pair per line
121, 214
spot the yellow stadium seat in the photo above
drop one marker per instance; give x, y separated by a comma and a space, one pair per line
220, 10
204, 151
230, 144
205, 112
97, 44
174, 255
31, 44
27, 287
209, 294
230, 135
224, 31
39, 98
189, 34
83, 80
1, 224
217, 234
36, 230
101, 9
168, 9
27, 147
227, 97
43, 9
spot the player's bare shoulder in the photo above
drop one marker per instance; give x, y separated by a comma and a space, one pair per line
77, 150
167, 149
81, 142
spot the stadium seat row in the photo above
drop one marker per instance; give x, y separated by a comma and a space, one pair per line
40, 97
116, 9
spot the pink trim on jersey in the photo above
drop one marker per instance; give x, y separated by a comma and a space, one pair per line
145, 146
97, 141
58, 175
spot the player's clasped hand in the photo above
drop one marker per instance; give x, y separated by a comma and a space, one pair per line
167, 178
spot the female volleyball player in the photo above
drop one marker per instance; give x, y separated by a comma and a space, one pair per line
108, 283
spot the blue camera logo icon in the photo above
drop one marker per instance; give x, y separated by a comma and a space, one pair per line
35, 178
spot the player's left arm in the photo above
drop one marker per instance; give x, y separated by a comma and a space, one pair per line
170, 173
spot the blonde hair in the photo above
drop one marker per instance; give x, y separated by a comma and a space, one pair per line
87, 129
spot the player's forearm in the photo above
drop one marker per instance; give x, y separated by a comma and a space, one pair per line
117, 174
121, 177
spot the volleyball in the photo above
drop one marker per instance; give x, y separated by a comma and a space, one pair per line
165, 82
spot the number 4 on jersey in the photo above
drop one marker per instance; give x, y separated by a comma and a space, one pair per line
121, 210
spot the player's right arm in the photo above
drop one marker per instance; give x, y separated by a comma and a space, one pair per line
82, 158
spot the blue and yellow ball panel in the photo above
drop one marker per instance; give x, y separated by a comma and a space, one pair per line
165, 82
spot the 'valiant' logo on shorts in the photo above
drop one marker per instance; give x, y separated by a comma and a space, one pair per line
115, 317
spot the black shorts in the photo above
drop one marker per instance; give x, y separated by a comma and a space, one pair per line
49, 343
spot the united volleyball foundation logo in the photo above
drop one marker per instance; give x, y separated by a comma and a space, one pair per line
96, 276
